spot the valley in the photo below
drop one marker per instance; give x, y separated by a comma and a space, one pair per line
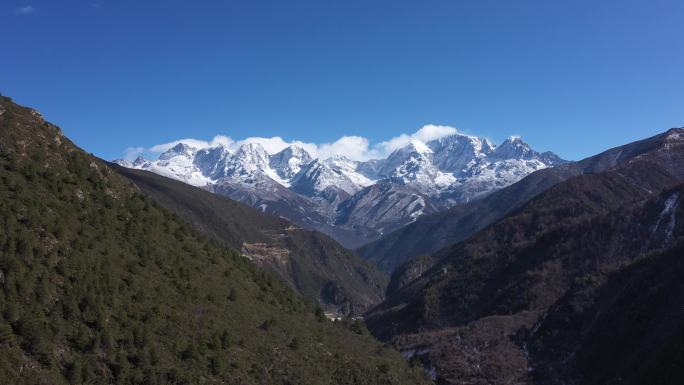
531, 281
346, 192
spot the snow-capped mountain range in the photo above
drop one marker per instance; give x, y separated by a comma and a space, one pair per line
353, 201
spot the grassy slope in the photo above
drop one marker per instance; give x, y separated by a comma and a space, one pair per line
101, 285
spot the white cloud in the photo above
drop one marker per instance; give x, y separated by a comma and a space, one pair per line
221, 140
24, 10
353, 147
431, 132
189, 141
424, 134
271, 145
133, 152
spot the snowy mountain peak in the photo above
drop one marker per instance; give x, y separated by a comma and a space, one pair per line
317, 178
456, 138
123, 163
456, 153
514, 148
252, 149
414, 152
341, 162
350, 168
211, 161
417, 178
337, 158
416, 146
288, 162
181, 149
140, 162
487, 146
248, 159
297, 151
252, 155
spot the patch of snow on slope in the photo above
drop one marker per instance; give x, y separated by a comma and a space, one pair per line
668, 214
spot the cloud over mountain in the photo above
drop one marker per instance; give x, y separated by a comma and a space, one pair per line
356, 148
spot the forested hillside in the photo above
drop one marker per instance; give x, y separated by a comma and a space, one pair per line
312, 263
101, 285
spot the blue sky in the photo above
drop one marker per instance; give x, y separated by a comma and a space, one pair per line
574, 77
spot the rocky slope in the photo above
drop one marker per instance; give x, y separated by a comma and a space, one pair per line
547, 294
430, 233
101, 285
313, 264
335, 195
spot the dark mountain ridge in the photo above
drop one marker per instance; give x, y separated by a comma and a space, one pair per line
476, 312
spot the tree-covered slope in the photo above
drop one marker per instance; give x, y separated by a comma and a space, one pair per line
99, 284
312, 263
